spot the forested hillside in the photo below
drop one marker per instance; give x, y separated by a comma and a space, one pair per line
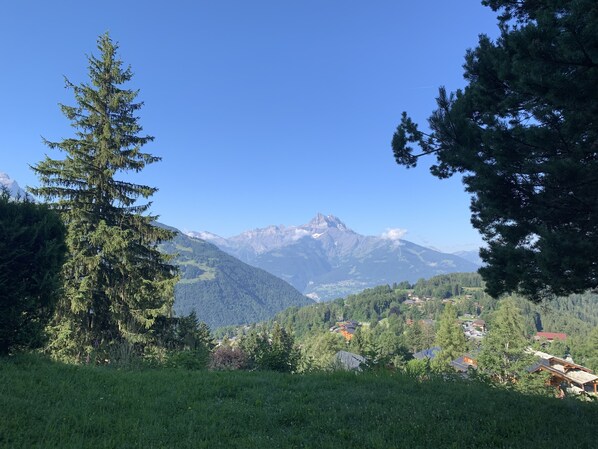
375, 304
223, 290
401, 319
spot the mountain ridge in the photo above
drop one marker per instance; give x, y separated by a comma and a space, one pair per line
325, 259
470, 255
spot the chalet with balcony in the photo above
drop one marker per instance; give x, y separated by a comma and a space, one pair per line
564, 371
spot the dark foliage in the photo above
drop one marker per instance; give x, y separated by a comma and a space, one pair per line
524, 134
227, 358
32, 251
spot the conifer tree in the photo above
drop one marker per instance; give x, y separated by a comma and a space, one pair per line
284, 355
275, 352
116, 281
450, 338
590, 349
503, 355
523, 134
414, 336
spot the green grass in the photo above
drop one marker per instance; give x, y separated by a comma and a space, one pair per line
49, 405
209, 273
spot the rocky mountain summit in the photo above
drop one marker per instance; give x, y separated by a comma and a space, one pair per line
325, 259
14, 190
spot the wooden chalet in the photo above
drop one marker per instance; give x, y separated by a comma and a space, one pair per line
464, 363
345, 328
480, 324
577, 377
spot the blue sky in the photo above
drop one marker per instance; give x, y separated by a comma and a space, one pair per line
264, 112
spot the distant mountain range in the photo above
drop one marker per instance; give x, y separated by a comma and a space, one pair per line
473, 256
325, 259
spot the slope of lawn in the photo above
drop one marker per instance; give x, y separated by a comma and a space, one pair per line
50, 405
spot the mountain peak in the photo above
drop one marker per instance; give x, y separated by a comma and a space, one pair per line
326, 221
13, 188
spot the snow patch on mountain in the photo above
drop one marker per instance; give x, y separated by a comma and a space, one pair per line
321, 221
204, 235
472, 256
14, 190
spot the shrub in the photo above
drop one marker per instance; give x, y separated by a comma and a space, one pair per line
418, 368
275, 353
32, 252
226, 358
189, 359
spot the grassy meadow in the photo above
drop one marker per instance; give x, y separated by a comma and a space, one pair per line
50, 405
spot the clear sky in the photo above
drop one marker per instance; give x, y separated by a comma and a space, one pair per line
264, 112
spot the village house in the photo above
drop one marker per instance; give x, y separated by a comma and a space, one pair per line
464, 363
550, 336
349, 361
480, 324
564, 372
474, 329
428, 353
416, 300
345, 328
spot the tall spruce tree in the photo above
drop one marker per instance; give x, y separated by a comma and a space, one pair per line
524, 134
450, 338
116, 281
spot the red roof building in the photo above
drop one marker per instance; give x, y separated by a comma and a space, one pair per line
550, 336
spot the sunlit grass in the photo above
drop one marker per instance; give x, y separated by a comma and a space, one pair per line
49, 405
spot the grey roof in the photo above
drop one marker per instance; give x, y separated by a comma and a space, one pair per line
428, 353
349, 360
